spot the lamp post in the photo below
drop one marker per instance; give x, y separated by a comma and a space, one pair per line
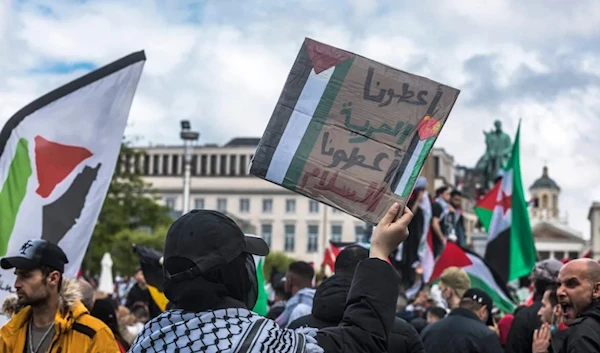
187, 136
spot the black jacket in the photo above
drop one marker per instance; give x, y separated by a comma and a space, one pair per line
328, 311
526, 321
460, 332
584, 332
139, 295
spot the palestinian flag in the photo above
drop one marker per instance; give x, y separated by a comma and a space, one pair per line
338, 115
151, 265
57, 158
481, 275
503, 212
262, 301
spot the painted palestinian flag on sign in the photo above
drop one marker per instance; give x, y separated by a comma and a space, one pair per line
57, 158
351, 132
481, 275
503, 212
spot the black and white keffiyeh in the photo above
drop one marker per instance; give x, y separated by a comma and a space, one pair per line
233, 330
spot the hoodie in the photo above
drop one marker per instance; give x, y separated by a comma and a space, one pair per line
328, 311
584, 333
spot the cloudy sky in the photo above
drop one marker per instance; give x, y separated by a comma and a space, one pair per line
222, 64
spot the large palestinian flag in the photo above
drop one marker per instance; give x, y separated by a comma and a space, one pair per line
503, 212
481, 275
57, 158
350, 132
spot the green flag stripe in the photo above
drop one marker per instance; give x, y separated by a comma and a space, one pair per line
261, 306
485, 216
13, 192
314, 127
499, 302
522, 247
417, 168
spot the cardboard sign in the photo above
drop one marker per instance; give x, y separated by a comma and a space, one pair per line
350, 132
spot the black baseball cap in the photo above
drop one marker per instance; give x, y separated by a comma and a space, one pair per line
35, 254
482, 298
209, 239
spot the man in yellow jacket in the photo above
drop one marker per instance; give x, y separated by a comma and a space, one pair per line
51, 317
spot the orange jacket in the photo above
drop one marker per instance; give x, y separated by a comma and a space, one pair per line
75, 329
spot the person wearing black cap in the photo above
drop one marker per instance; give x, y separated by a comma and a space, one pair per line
464, 329
211, 282
52, 317
526, 321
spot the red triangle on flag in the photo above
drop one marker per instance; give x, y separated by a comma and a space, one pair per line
323, 56
452, 256
489, 200
54, 162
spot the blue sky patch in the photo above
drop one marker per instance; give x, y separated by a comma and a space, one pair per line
63, 67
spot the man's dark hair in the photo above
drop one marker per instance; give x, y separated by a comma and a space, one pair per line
440, 190
302, 269
553, 297
438, 312
455, 193
541, 286
348, 259
46, 270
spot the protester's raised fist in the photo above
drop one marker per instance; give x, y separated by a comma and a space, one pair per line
389, 233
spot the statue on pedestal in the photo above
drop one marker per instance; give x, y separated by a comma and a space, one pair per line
497, 153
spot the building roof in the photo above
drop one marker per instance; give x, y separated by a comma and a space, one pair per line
243, 141
545, 182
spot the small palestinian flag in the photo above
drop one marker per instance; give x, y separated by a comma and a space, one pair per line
333, 251
57, 158
351, 132
504, 214
481, 275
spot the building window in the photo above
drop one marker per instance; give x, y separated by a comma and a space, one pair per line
194, 166
573, 254
137, 168
559, 255
155, 162
175, 164
543, 255
199, 204
165, 164
266, 232
289, 240
232, 164
213, 164
244, 205
359, 234
170, 202
267, 206
203, 165
313, 206
335, 210
312, 244
146, 170
223, 165
336, 233
222, 205
290, 206
243, 165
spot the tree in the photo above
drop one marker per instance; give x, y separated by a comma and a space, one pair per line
276, 261
130, 204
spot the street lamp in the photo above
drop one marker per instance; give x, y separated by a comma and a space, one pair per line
187, 136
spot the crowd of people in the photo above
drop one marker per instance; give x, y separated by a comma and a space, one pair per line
211, 284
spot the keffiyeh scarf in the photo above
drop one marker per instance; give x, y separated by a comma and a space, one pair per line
225, 330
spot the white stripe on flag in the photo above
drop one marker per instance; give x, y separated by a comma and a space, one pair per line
411, 165
296, 127
480, 270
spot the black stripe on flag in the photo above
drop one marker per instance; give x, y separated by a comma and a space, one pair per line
65, 90
497, 254
281, 115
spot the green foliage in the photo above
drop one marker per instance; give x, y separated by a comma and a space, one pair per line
125, 260
277, 261
129, 205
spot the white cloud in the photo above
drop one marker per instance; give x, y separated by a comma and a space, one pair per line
222, 65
